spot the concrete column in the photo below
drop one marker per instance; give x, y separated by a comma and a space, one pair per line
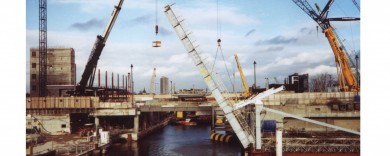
96, 122
134, 147
279, 139
258, 127
212, 120
136, 127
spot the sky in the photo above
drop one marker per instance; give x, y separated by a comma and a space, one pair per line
277, 34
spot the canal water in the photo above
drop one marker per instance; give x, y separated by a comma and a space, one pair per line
176, 140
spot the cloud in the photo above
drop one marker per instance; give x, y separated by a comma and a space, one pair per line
320, 69
227, 15
250, 32
178, 58
163, 31
272, 49
306, 30
92, 23
303, 29
277, 40
144, 19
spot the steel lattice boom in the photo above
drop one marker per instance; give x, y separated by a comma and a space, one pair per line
42, 47
234, 117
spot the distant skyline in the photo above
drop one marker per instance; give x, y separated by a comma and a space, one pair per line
278, 35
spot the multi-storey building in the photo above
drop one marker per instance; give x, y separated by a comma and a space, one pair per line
61, 71
164, 85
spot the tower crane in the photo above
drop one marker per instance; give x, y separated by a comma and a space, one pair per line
246, 93
100, 42
276, 80
42, 47
152, 89
347, 80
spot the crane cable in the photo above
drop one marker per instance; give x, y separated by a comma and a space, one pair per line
156, 27
219, 48
353, 46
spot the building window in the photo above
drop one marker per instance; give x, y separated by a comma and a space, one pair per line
33, 54
33, 76
34, 87
63, 126
33, 65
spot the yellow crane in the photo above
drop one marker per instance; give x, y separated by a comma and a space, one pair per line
246, 93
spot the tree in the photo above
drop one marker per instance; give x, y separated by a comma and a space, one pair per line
320, 83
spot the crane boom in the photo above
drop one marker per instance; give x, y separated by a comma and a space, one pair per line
347, 81
97, 49
247, 93
234, 117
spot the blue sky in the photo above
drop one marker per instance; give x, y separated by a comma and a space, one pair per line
276, 34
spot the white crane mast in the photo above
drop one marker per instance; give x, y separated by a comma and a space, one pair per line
235, 118
152, 81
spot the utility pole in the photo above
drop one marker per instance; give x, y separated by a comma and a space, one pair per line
127, 86
254, 71
132, 86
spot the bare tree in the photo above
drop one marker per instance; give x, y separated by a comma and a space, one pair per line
320, 83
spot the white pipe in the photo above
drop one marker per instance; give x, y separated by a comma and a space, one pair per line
311, 121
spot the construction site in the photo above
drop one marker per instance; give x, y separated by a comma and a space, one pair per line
106, 109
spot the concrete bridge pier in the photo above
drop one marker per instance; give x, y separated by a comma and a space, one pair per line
146, 122
134, 135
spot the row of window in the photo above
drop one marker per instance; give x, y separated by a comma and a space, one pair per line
34, 65
34, 54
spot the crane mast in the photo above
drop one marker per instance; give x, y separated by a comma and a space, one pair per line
42, 47
347, 80
90, 67
247, 93
152, 89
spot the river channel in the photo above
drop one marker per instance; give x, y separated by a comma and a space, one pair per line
176, 140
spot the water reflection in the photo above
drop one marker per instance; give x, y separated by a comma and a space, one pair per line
177, 141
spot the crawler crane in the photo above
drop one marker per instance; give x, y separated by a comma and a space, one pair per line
90, 67
347, 80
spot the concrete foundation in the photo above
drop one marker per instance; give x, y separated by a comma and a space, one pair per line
49, 124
